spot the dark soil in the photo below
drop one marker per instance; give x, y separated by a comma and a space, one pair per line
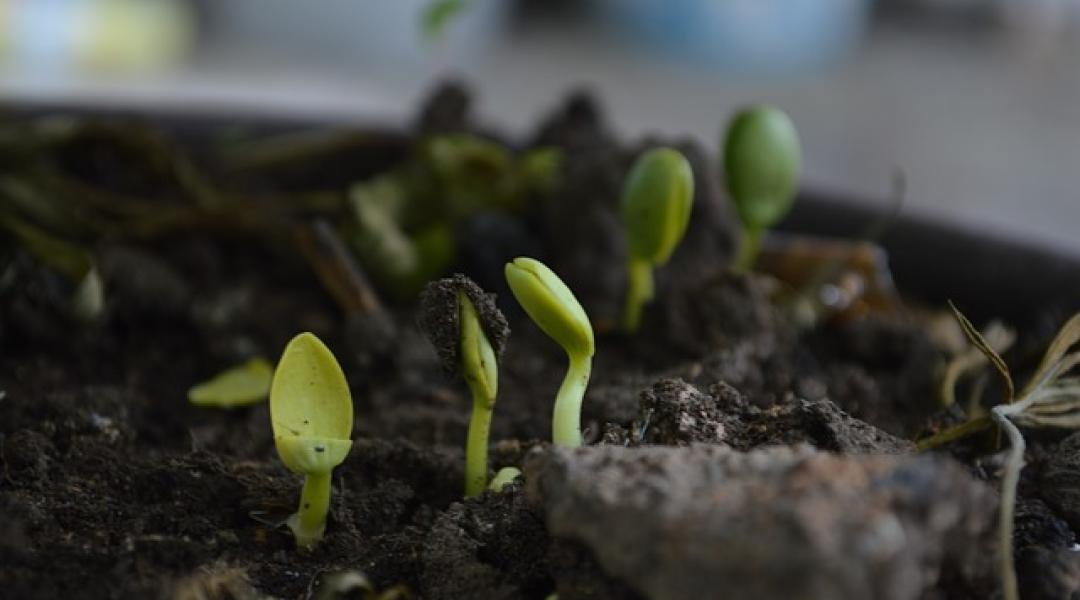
113, 486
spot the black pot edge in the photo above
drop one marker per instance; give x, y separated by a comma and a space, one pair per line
985, 275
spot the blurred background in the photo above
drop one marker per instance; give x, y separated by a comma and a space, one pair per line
977, 101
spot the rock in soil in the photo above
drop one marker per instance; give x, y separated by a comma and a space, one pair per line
692, 522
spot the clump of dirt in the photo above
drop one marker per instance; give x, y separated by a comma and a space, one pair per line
440, 317
675, 413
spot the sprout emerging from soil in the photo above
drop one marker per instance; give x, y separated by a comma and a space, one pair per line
762, 159
312, 414
469, 334
553, 307
656, 202
504, 477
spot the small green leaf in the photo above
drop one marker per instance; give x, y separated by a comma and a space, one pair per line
437, 16
504, 477
310, 406
551, 305
241, 385
540, 167
656, 202
762, 159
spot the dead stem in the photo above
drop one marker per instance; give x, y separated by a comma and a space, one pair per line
337, 270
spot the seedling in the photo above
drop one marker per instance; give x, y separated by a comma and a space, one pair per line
762, 159
469, 334
311, 412
1051, 399
553, 307
405, 222
504, 477
87, 302
656, 201
242, 385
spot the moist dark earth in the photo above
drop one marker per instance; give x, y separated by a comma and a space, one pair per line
730, 454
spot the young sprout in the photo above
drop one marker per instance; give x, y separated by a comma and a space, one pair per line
469, 334
311, 413
553, 307
656, 201
761, 165
504, 477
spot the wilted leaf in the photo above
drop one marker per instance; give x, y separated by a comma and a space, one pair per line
998, 337
1054, 361
977, 339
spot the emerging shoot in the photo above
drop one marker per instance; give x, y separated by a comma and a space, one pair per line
469, 334
504, 477
656, 201
762, 160
312, 414
553, 307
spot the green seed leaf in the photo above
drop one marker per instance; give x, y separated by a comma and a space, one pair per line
504, 477
656, 202
312, 455
551, 305
242, 385
310, 405
478, 364
762, 159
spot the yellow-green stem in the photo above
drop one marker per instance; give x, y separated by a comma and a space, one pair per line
309, 522
566, 422
476, 447
749, 246
639, 274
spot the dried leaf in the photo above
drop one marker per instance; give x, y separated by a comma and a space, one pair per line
997, 336
1054, 361
438, 15
995, 359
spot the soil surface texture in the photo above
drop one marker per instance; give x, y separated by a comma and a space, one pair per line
729, 452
